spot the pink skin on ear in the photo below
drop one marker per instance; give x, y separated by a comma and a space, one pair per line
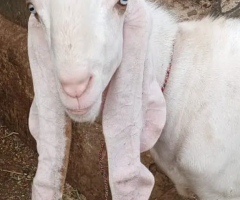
47, 120
134, 110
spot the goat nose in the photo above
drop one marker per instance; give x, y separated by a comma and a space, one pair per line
75, 85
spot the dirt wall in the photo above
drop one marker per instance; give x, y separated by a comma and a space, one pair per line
15, 79
15, 10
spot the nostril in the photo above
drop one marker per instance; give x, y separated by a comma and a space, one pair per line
75, 89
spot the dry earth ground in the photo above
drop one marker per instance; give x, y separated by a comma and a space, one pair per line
17, 168
18, 162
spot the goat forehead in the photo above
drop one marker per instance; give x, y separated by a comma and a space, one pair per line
73, 15
82, 3
76, 8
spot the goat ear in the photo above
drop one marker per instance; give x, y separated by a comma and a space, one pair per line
134, 110
39, 54
134, 97
52, 132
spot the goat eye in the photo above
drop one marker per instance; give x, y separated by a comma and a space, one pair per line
31, 8
123, 2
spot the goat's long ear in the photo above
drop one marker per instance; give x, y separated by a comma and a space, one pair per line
134, 111
134, 95
38, 52
51, 133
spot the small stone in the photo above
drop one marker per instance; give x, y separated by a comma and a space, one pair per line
153, 168
206, 5
191, 13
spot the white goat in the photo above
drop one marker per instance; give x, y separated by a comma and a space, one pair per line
78, 48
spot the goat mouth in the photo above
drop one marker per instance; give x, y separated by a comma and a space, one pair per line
78, 111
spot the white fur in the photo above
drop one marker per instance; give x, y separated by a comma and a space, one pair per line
46, 120
199, 148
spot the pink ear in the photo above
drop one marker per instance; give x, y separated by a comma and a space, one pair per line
155, 110
134, 111
39, 56
47, 119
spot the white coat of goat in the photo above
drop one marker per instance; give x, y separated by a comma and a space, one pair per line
199, 148
77, 48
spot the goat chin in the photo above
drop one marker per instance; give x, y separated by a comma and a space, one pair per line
90, 116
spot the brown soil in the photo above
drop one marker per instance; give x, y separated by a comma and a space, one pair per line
18, 165
17, 168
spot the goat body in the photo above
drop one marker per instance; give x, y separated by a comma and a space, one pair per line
199, 148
